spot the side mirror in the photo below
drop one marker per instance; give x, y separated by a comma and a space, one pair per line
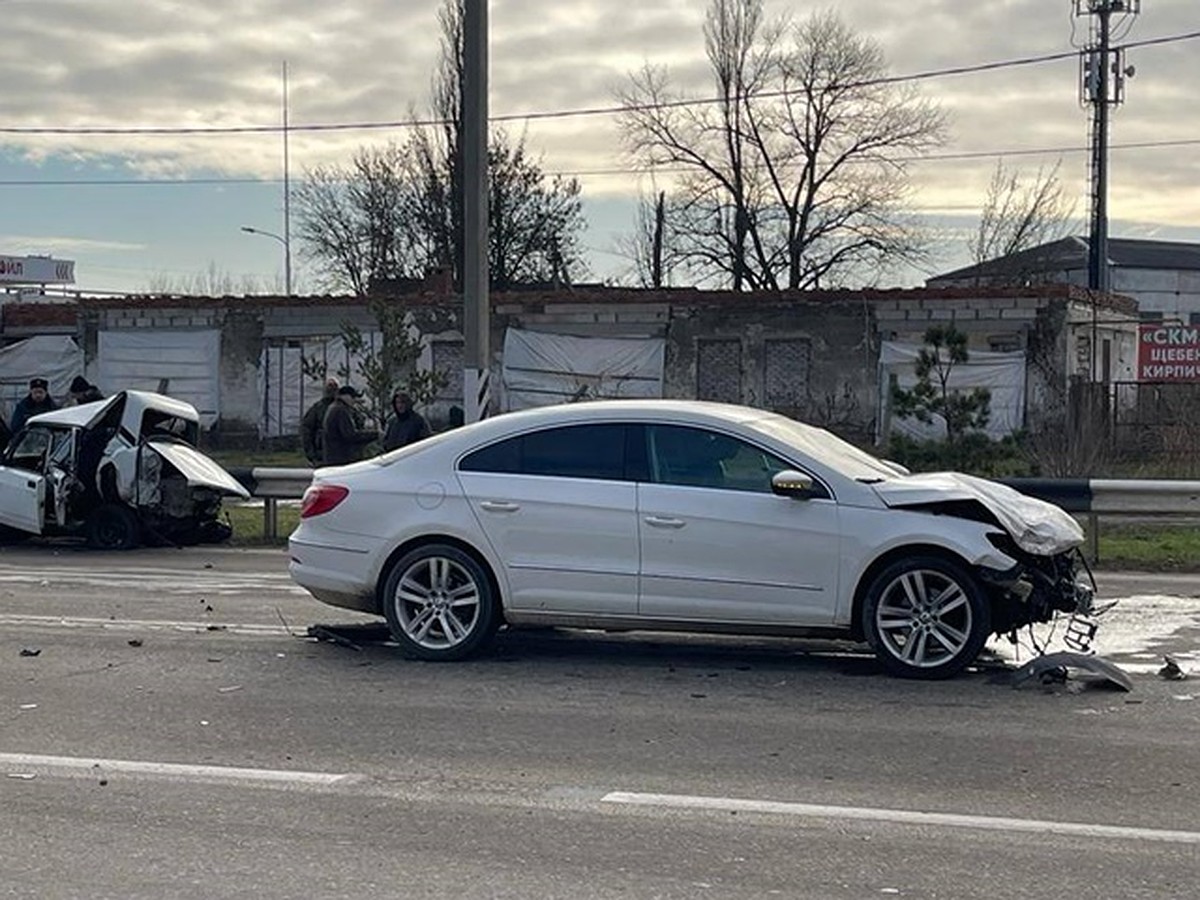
790, 483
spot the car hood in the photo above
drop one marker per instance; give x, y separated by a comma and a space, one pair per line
198, 469
1038, 527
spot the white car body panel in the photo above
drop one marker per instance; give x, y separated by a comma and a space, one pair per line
699, 544
1037, 526
198, 469
522, 517
22, 499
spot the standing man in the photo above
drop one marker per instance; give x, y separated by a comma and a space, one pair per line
405, 426
82, 391
36, 402
343, 439
312, 425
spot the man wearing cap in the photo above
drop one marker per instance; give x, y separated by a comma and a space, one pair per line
343, 439
36, 402
312, 425
82, 391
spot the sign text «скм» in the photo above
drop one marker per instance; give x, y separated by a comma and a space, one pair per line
1168, 353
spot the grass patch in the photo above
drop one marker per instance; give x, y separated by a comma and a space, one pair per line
1152, 547
247, 522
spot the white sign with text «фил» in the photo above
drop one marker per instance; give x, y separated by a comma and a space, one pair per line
36, 270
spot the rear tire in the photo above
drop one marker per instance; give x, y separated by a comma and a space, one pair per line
112, 526
439, 604
926, 617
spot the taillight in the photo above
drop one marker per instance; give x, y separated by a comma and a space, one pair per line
321, 498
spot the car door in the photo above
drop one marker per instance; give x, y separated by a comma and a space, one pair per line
22, 485
560, 514
718, 545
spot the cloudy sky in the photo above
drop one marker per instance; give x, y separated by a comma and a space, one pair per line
173, 204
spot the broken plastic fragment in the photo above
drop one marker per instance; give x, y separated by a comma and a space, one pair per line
1043, 668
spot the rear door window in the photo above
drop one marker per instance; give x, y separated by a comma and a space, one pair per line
609, 452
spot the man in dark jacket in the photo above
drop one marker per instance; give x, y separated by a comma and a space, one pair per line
313, 424
82, 391
405, 425
343, 439
36, 402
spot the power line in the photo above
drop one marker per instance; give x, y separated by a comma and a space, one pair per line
156, 131
582, 173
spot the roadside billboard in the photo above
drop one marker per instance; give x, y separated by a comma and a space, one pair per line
36, 270
1168, 352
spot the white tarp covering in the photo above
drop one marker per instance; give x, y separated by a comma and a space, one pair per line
541, 369
290, 380
1003, 374
54, 357
184, 364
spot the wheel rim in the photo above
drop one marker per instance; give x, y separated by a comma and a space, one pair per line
924, 618
111, 532
437, 603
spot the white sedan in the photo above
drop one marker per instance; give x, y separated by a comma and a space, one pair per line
683, 516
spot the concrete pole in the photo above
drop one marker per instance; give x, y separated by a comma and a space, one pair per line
474, 137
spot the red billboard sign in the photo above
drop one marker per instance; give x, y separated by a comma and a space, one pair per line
1168, 352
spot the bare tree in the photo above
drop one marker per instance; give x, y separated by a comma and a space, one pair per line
1019, 214
796, 176
651, 247
396, 212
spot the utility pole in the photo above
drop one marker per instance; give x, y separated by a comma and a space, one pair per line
476, 305
287, 192
1102, 87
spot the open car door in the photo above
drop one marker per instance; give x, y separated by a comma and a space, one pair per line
22, 486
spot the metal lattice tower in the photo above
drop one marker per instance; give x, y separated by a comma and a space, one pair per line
1101, 88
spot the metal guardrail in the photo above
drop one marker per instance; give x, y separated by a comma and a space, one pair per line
1091, 497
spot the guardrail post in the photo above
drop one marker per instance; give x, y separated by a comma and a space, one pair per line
1094, 537
270, 518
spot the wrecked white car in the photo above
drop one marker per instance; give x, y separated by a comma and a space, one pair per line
117, 472
672, 515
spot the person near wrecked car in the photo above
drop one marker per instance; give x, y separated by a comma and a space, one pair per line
36, 402
343, 439
405, 425
312, 425
82, 391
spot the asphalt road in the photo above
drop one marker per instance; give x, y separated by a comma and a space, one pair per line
177, 734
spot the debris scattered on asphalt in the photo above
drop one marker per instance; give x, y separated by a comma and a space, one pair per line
103, 782
28, 706
204, 721
230, 689
134, 642
208, 565
1171, 669
22, 776
325, 633
1183, 697
1054, 668
215, 628
215, 659
31, 651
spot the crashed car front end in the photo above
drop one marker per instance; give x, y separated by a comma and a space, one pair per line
1049, 576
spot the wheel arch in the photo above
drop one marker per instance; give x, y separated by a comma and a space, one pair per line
425, 540
884, 560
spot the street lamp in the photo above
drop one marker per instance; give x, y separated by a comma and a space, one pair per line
287, 255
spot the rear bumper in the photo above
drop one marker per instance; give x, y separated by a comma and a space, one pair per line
333, 575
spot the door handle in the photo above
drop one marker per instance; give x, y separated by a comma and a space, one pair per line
499, 506
664, 522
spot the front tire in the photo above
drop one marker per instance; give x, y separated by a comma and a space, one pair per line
439, 604
925, 617
112, 526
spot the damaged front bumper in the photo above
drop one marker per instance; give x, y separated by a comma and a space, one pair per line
1038, 589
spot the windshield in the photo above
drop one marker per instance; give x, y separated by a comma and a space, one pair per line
827, 448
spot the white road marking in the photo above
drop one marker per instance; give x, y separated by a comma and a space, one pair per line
27, 761
903, 817
140, 625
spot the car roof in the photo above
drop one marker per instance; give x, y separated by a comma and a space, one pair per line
136, 404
